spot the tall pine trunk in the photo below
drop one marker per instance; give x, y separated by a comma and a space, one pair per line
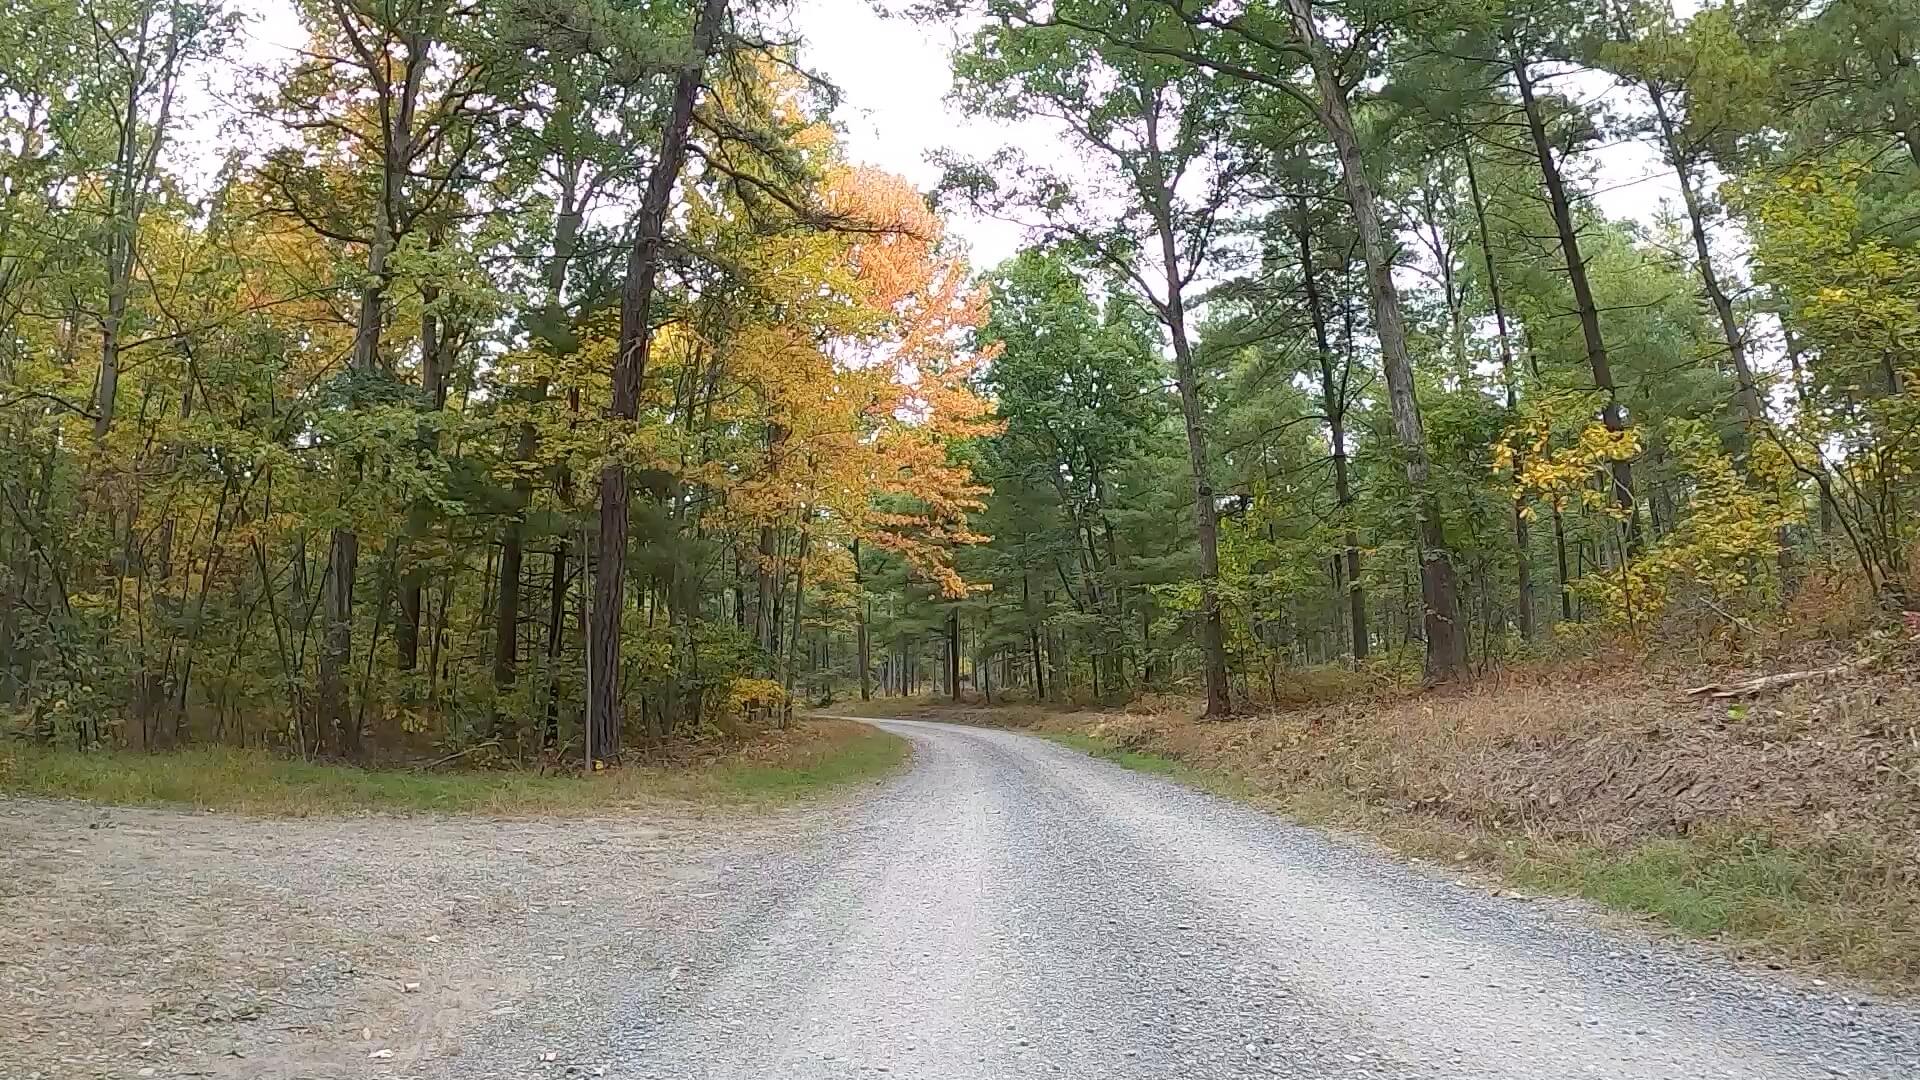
1033, 639
1206, 516
629, 372
799, 601
863, 616
1585, 307
953, 653
1747, 392
1333, 400
1522, 542
1439, 588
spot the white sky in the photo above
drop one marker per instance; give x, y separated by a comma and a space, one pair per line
892, 72
894, 78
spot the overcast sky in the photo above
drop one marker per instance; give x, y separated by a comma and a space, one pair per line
894, 78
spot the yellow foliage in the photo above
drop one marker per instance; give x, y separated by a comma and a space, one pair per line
1722, 543
743, 692
1578, 470
862, 380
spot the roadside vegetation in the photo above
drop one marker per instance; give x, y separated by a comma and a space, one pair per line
1786, 824
810, 759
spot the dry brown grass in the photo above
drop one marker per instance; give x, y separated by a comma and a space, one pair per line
1599, 756
1790, 823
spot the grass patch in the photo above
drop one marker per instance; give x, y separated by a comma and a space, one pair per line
811, 759
1829, 906
867, 753
1219, 783
1700, 887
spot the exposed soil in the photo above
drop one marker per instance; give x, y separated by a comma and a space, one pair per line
154, 943
1605, 756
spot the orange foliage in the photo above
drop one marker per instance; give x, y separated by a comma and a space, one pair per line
861, 380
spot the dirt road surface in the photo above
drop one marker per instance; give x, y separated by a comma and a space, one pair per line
1007, 908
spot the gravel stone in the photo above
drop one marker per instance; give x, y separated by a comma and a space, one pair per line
1130, 927
1006, 908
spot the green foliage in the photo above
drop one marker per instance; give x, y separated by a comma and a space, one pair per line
319, 475
1850, 292
306, 443
258, 782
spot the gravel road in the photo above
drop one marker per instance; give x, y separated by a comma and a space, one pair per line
1011, 908
1005, 909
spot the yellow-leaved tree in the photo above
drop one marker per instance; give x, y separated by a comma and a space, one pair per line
1717, 553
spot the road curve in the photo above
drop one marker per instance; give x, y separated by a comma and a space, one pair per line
1009, 908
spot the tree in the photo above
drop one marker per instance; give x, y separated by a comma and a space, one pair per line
145, 47
1560, 205
430, 78
1279, 41
1079, 390
1663, 63
1152, 124
629, 373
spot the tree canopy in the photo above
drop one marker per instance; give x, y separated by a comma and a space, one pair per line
548, 377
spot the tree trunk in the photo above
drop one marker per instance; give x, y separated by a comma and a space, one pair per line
759, 623
343, 558
567, 222
863, 616
1333, 400
953, 654
1440, 594
118, 287
506, 622
983, 670
629, 372
1585, 306
1560, 558
1205, 514
799, 599
1033, 639
1522, 542
1746, 393
434, 364
336, 714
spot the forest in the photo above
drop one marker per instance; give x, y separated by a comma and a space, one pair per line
546, 375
